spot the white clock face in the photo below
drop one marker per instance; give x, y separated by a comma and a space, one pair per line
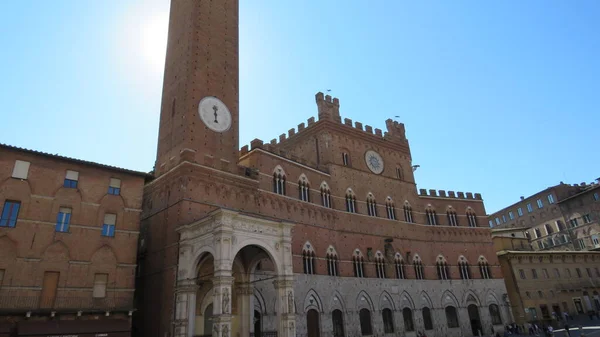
214, 114
374, 161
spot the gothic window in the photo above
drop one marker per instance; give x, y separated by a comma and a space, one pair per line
548, 229
408, 319
371, 205
484, 268
338, 323
463, 267
407, 212
442, 268
364, 316
399, 266
472, 218
418, 268
495, 314
332, 262
345, 159
427, 321
452, 220
388, 321
560, 225
431, 217
303, 189
308, 259
451, 317
279, 181
389, 208
380, 265
325, 195
358, 264
350, 201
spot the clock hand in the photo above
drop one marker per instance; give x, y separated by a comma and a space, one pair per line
215, 109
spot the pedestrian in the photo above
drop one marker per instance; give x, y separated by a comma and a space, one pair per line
567, 329
550, 331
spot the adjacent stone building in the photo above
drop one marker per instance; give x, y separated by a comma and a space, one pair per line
561, 217
321, 232
68, 244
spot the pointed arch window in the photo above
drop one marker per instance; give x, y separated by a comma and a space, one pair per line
463, 267
325, 195
332, 262
389, 208
380, 265
427, 321
442, 269
409, 324
303, 189
408, 216
472, 218
388, 321
279, 181
350, 201
431, 217
308, 259
418, 265
371, 205
399, 266
452, 219
358, 264
484, 268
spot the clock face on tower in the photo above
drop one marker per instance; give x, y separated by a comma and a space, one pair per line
214, 114
374, 161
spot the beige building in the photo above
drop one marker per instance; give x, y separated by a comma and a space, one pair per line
543, 284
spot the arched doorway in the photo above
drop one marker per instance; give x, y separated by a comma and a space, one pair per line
338, 323
312, 323
474, 319
257, 324
208, 326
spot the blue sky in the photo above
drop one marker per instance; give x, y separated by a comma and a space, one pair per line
500, 98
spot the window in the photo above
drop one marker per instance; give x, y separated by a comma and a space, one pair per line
350, 202
10, 213
560, 226
21, 169
595, 240
452, 221
431, 217
308, 259
491, 223
465, 271
100, 282
279, 183
380, 265
578, 271
114, 187
522, 274
472, 219
573, 223
408, 213
388, 321
596, 196
63, 220
495, 314
325, 195
338, 323
540, 204
427, 321
520, 211
529, 208
451, 317
503, 218
538, 233
71, 179
108, 228
528, 294
345, 159
484, 270
540, 294
528, 236
442, 269
389, 208
365, 322
568, 272
581, 243
511, 215
303, 189
586, 218
418, 269
556, 273
332, 264
408, 319
589, 272
398, 172
399, 264
550, 199
371, 205
534, 273
548, 229
497, 221
358, 264
545, 273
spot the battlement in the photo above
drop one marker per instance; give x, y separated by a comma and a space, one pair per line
272, 148
450, 194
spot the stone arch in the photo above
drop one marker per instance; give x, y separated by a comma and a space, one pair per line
112, 202
482, 259
196, 261
386, 301
331, 251
350, 192
490, 298
271, 252
449, 299
462, 259
308, 247
324, 186
449, 208
104, 255
259, 301
364, 301
279, 170
370, 196
416, 258
302, 178
56, 252
337, 302
406, 301
205, 301
471, 298
406, 203
440, 259
426, 300
312, 301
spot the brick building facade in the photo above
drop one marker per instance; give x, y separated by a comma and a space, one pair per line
319, 232
68, 244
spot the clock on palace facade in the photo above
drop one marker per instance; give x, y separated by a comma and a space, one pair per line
215, 114
374, 161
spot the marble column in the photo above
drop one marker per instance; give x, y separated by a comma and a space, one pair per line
185, 308
244, 293
222, 285
286, 307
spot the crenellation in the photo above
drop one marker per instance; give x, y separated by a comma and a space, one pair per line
256, 144
311, 121
348, 121
478, 196
291, 132
432, 193
442, 193
274, 141
422, 191
282, 137
469, 195
244, 150
358, 125
268, 147
461, 195
328, 99
300, 127
378, 132
451, 194
369, 129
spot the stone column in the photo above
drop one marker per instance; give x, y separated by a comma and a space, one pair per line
185, 308
286, 307
244, 292
222, 285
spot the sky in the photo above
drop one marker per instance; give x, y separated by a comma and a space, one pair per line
498, 97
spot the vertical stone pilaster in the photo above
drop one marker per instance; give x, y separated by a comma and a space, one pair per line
222, 286
244, 292
286, 308
185, 308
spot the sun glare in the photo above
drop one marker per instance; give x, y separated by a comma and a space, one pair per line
154, 40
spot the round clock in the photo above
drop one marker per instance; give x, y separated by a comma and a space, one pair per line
214, 114
374, 161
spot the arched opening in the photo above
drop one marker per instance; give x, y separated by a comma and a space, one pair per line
474, 319
312, 323
451, 317
365, 322
495, 314
208, 326
409, 324
338, 323
427, 321
388, 321
257, 325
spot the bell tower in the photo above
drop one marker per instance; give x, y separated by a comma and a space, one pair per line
200, 99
